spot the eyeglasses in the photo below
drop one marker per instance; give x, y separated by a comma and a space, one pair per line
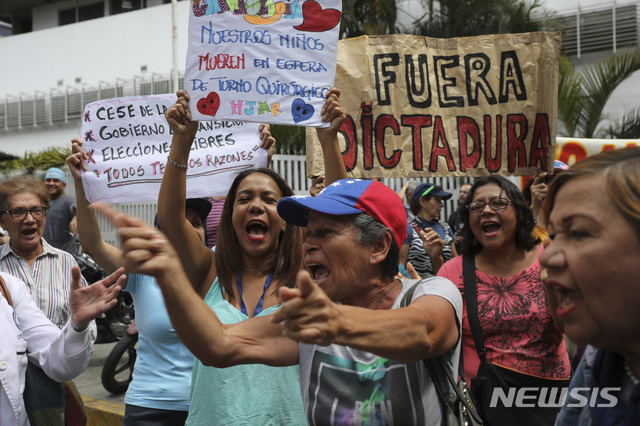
496, 204
19, 213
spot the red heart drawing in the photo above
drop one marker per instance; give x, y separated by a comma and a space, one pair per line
314, 19
209, 105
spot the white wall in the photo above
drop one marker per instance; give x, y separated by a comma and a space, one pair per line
36, 140
100, 49
572, 5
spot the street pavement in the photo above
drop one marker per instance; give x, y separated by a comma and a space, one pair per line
103, 407
89, 382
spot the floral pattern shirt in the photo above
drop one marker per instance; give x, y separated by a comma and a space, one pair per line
517, 327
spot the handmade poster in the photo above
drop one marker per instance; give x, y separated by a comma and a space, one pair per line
127, 141
266, 61
470, 106
572, 150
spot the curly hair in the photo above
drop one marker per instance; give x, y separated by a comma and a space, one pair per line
28, 184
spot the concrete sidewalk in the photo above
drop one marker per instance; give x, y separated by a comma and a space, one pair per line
103, 408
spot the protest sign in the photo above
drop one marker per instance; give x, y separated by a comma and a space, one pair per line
470, 106
264, 61
127, 141
572, 150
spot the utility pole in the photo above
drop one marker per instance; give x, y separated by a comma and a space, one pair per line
174, 47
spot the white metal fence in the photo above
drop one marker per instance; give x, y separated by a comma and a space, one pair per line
293, 169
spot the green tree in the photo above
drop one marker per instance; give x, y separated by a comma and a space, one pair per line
32, 161
582, 95
626, 128
461, 18
368, 17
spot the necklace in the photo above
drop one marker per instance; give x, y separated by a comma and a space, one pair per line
258, 309
257, 269
630, 373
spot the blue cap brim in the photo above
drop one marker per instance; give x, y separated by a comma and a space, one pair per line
295, 210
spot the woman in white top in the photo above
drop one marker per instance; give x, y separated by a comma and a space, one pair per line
26, 333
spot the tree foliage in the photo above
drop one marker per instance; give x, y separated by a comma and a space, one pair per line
626, 128
462, 18
368, 17
583, 95
32, 161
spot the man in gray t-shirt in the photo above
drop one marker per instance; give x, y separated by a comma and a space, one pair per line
339, 382
61, 216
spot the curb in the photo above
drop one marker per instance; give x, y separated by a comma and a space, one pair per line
103, 413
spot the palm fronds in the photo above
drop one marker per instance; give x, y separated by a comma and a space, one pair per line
583, 96
53, 157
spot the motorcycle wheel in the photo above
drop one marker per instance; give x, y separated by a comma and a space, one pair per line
117, 371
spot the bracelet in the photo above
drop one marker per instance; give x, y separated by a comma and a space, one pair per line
178, 165
76, 327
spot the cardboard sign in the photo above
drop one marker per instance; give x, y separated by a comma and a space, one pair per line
127, 141
267, 61
469, 106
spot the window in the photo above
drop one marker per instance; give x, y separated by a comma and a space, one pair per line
121, 6
84, 13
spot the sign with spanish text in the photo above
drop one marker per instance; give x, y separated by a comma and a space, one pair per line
572, 150
127, 141
469, 106
266, 61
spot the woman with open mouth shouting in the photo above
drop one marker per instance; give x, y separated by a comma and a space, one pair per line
592, 278
256, 254
509, 339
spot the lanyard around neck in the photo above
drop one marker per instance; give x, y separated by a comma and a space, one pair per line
243, 308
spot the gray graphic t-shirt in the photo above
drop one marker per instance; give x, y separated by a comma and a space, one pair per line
344, 386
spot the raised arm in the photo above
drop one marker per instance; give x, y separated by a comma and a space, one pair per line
538, 194
424, 329
197, 258
255, 340
107, 256
332, 112
403, 191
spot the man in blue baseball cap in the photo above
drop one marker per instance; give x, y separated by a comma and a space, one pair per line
360, 350
61, 216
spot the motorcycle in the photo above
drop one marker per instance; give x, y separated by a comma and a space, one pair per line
117, 371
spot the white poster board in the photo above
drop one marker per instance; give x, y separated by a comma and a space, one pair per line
262, 61
127, 141
572, 150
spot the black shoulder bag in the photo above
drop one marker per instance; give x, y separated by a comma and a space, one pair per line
458, 407
500, 409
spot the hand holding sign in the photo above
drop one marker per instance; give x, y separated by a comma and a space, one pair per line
179, 115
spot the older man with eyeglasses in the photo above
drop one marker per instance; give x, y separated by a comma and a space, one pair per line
46, 271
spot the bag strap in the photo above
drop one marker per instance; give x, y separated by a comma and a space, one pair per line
436, 368
471, 297
5, 291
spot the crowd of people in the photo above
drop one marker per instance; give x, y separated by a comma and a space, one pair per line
263, 307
